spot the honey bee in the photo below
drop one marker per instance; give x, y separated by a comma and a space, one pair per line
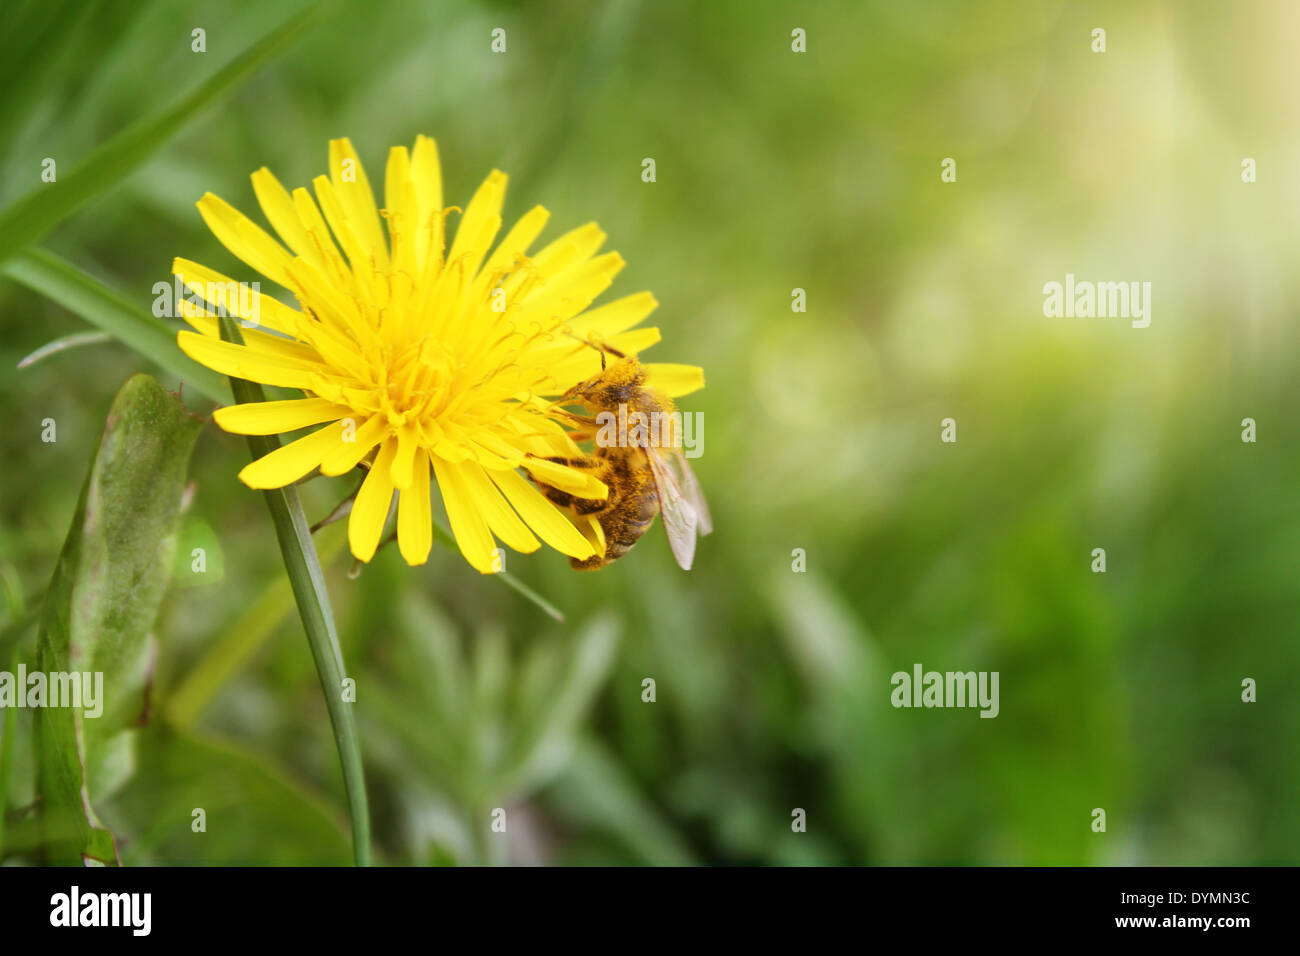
646, 474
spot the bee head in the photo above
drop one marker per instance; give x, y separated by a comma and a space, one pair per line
617, 383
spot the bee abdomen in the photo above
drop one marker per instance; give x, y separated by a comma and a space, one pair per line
626, 527
626, 535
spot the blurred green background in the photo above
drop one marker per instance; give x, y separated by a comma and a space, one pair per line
775, 170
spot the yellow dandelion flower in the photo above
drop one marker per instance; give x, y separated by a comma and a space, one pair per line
423, 363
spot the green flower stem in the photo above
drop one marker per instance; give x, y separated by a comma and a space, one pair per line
303, 568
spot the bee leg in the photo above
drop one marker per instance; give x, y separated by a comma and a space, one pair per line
580, 506
597, 343
576, 461
558, 497
589, 506
604, 348
564, 499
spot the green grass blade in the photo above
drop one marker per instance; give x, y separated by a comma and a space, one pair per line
62, 344
303, 567
519, 586
62, 282
444, 537
31, 217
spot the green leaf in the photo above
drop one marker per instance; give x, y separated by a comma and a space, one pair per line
103, 598
303, 567
252, 814
30, 218
62, 282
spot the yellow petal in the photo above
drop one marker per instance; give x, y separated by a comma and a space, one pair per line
587, 362
467, 524
340, 224
348, 454
574, 365
238, 299
502, 520
403, 206
481, 221
499, 448
289, 462
615, 317
278, 207
581, 484
327, 260
521, 235
357, 198
426, 176
242, 362
571, 249
246, 240
426, 173
414, 519
564, 297
551, 525
594, 532
208, 324
674, 380
274, 418
404, 460
370, 510
331, 301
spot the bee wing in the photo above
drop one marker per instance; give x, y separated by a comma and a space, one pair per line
680, 519
694, 493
